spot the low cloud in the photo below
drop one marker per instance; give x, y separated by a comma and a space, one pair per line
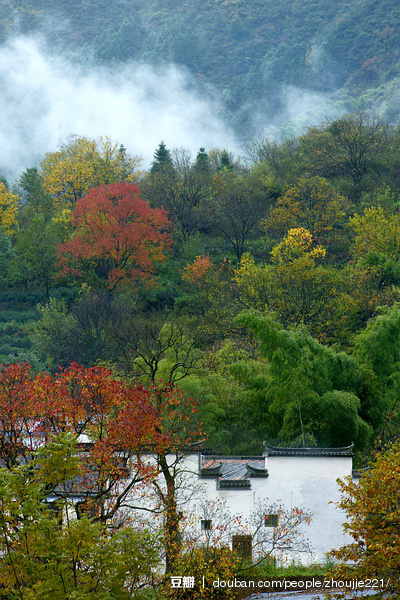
300, 109
45, 97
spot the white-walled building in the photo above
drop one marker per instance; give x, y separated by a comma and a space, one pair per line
228, 497
212, 487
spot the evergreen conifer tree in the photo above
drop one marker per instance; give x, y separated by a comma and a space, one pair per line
162, 159
225, 161
202, 161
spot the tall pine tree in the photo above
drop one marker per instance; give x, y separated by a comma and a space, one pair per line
162, 159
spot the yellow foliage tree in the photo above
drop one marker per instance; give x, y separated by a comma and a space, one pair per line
294, 285
376, 232
82, 163
8, 209
255, 283
297, 244
312, 203
116, 164
374, 271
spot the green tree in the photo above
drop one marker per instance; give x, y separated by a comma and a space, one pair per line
6, 255
202, 160
229, 411
225, 163
81, 332
162, 159
153, 350
354, 144
35, 252
31, 182
376, 349
282, 159
373, 274
294, 285
181, 186
47, 554
236, 208
347, 150
307, 387
213, 303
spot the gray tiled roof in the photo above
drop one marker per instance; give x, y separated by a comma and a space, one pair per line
273, 451
233, 471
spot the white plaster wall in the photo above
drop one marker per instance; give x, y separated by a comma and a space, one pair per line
305, 482
308, 483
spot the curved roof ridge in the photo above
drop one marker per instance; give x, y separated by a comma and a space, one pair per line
339, 451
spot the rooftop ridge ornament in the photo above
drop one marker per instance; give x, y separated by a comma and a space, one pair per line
253, 471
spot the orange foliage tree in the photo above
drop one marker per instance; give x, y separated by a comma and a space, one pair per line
196, 271
373, 521
112, 422
115, 425
117, 237
91, 405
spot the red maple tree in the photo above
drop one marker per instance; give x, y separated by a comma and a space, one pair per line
116, 425
117, 237
89, 404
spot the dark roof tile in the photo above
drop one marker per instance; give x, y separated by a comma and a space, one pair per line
233, 471
274, 451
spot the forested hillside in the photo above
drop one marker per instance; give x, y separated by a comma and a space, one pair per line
249, 51
239, 282
268, 290
148, 269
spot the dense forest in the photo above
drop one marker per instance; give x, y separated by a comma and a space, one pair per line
251, 54
266, 288
262, 285
244, 290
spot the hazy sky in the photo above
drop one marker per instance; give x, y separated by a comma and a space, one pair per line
44, 98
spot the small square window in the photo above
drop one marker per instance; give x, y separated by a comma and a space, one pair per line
271, 520
206, 524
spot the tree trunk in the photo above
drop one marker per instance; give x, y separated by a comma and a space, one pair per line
172, 537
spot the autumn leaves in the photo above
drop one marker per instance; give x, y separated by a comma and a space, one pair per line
117, 238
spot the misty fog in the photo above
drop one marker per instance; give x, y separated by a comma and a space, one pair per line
45, 97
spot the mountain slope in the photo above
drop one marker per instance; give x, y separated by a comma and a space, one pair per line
249, 51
